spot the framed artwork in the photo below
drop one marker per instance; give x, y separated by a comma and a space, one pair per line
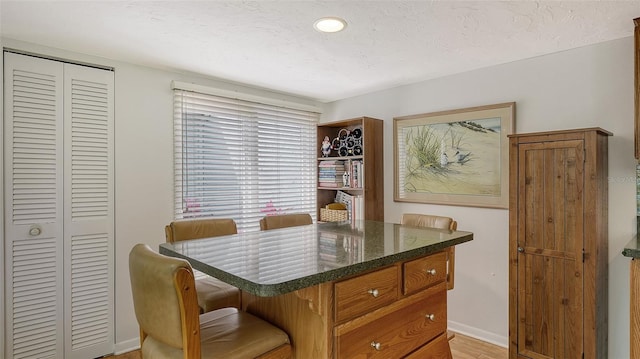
458, 157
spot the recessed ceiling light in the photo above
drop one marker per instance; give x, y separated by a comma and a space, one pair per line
330, 24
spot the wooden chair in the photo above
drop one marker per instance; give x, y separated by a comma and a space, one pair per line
440, 222
166, 309
285, 220
212, 293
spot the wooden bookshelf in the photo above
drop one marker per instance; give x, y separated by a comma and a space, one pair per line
372, 175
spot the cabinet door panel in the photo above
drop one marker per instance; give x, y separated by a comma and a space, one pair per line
550, 235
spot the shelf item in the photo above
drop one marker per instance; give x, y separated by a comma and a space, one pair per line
353, 166
333, 215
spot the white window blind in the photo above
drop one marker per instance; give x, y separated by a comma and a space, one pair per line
242, 160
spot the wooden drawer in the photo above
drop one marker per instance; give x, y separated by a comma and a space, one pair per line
436, 349
362, 294
396, 330
423, 272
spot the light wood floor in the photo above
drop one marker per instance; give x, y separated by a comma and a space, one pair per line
462, 347
130, 355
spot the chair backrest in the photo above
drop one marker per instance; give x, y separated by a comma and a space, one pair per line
199, 228
431, 221
164, 300
285, 220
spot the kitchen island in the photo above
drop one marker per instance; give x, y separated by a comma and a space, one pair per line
340, 290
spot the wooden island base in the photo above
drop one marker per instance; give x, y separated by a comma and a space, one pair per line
393, 312
634, 317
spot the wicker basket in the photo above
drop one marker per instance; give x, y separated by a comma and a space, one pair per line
333, 215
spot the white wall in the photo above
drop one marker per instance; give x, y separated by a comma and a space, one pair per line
586, 87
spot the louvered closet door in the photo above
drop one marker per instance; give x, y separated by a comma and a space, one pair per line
59, 243
33, 207
88, 212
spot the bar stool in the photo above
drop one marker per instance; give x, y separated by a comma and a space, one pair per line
285, 220
212, 293
167, 312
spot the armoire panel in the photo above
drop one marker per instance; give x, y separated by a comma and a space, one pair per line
558, 244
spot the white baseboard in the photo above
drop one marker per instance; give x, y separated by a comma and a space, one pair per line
127, 346
480, 334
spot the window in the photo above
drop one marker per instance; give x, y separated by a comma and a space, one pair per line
241, 159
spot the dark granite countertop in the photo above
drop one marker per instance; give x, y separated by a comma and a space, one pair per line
632, 249
269, 263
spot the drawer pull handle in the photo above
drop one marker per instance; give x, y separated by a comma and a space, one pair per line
431, 317
431, 271
374, 292
375, 345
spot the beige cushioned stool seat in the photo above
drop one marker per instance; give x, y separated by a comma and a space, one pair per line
215, 294
228, 334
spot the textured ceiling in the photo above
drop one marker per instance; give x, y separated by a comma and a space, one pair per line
271, 44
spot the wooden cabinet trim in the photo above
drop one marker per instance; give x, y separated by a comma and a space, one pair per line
636, 85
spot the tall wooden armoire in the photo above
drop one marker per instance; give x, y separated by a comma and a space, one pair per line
558, 272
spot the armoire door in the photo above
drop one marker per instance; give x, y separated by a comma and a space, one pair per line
59, 214
550, 246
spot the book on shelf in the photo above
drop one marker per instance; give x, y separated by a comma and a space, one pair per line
334, 170
336, 179
330, 184
330, 173
331, 163
355, 173
354, 204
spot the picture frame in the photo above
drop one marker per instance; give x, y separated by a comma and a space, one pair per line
455, 157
